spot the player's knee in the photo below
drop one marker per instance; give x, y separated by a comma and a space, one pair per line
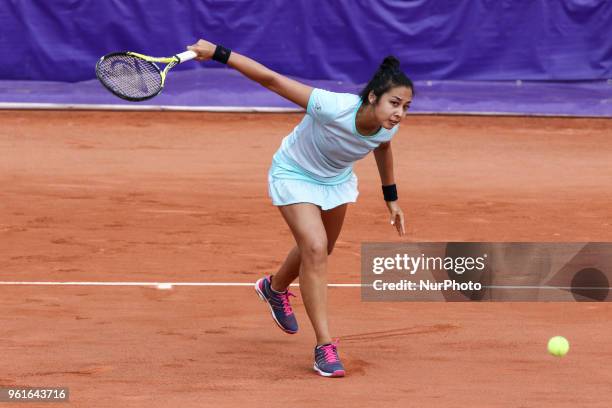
315, 250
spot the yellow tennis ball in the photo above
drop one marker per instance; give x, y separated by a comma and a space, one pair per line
558, 346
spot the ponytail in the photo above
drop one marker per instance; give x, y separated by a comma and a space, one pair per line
388, 75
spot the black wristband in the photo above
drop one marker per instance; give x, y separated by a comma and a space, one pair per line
221, 54
390, 192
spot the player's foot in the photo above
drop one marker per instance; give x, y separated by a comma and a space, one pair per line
279, 305
327, 363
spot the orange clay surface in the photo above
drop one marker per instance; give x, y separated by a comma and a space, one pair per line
182, 197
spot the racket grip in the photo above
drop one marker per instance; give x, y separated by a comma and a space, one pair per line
186, 56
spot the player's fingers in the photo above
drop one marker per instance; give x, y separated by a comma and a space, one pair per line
403, 228
193, 48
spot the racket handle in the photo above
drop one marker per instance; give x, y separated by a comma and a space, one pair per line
186, 56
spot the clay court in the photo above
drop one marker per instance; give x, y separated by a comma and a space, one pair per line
182, 197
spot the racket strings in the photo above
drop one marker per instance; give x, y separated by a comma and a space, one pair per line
130, 77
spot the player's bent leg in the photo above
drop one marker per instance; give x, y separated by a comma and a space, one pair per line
290, 269
273, 289
333, 220
315, 233
305, 222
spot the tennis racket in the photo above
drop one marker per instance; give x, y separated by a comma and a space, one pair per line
136, 77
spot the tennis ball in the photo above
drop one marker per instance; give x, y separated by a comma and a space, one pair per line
558, 346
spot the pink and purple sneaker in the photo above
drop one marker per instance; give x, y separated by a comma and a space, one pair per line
327, 363
279, 305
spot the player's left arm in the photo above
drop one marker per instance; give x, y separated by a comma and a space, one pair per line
384, 161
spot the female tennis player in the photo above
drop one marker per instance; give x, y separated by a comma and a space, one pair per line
311, 180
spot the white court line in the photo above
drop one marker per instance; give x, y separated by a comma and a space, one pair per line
550, 287
228, 284
29, 283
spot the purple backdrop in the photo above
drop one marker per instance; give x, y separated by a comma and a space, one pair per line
342, 40
227, 89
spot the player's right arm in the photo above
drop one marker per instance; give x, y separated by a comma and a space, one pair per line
288, 88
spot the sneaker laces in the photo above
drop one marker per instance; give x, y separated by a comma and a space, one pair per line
284, 297
330, 352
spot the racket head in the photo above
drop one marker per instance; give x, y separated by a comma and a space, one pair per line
129, 76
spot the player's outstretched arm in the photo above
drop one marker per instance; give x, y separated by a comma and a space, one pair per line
290, 89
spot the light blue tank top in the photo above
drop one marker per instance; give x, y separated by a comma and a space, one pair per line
326, 143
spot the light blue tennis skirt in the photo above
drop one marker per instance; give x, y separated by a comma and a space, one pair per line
288, 183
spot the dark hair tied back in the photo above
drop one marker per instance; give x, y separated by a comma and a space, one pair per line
389, 75
390, 62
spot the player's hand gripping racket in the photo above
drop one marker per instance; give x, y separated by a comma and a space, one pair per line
136, 77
